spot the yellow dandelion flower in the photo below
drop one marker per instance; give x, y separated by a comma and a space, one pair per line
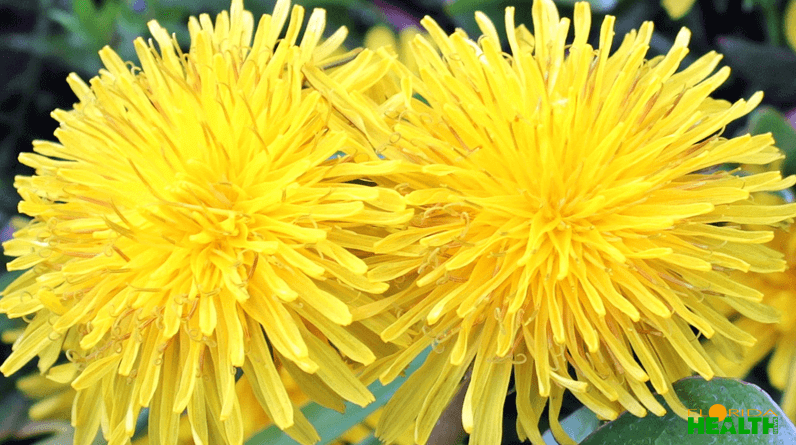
191, 223
53, 399
778, 292
571, 225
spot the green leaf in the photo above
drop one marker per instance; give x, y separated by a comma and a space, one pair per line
769, 120
578, 425
331, 424
697, 394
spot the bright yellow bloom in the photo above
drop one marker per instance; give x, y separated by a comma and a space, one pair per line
779, 292
572, 225
190, 223
53, 402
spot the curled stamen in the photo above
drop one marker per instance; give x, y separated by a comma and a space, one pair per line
402, 186
195, 335
209, 341
451, 209
519, 359
212, 293
73, 356
498, 313
430, 211
466, 217
392, 114
180, 299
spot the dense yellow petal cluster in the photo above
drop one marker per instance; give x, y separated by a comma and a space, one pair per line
199, 247
53, 401
193, 224
571, 225
778, 339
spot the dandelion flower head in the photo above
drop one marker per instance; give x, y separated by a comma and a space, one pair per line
571, 223
778, 339
191, 224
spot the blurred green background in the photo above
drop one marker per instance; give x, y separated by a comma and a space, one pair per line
41, 41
